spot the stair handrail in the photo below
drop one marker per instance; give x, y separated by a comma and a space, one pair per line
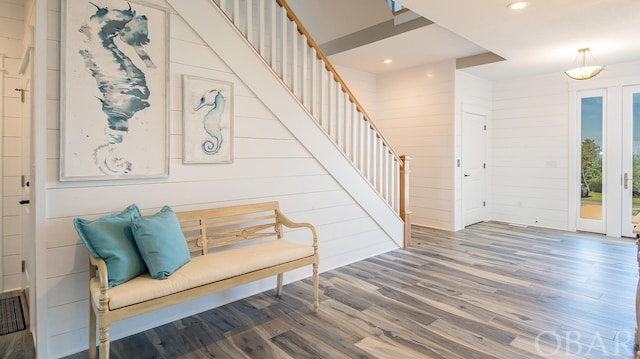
321, 56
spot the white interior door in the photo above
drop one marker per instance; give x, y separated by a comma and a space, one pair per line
474, 181
630, 158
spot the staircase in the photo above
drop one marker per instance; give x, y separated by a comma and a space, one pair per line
282, 43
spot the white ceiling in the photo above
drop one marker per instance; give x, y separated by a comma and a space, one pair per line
542, 38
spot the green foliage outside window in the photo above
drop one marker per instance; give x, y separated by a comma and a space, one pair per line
592, 165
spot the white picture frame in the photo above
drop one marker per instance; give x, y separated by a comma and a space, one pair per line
207, 120
114, 109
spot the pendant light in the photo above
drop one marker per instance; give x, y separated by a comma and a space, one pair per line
584, 72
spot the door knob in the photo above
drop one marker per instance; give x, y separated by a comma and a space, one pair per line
24, 201
466, 175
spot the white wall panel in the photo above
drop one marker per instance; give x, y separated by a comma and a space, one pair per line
67, 260
67, 317
12, 282
68, 289
416, 114
11, 11
12, 245
12, 63
12, 126
12, 166
529, 142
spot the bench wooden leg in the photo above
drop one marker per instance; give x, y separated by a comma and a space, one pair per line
315, 288
104, 342
92, 332
279, 287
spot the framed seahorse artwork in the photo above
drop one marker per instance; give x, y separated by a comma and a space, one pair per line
114, 111
207, 120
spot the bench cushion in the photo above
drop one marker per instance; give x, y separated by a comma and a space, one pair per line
203, 270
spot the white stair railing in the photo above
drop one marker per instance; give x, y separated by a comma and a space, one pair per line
278, 36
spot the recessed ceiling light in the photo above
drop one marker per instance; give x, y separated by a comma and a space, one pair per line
387, 61
518, 5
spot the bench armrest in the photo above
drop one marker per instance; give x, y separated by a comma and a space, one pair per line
103, 275
290, 224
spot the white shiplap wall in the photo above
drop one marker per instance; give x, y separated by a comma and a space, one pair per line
477, 93
532, 139
415, 113
529, 142
11, 35
269, 164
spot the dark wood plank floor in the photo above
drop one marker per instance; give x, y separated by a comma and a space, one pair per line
489, 291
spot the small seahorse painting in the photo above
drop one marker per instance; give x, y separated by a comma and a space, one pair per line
127, 63
212, 120
207, 120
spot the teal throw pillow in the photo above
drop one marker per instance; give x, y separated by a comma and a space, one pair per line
111, 239
161, 242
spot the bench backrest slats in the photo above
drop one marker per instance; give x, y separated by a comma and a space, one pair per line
216, 227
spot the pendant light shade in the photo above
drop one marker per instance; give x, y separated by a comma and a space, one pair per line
584, 72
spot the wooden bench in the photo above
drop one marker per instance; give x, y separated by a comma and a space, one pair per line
229, 246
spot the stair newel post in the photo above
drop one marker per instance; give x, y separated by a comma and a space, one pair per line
405, 212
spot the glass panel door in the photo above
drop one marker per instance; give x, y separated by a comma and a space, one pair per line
591, 120
630, 158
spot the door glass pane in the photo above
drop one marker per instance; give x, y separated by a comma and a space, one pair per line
635, 207
591, 118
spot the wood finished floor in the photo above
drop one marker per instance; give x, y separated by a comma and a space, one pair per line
489, 291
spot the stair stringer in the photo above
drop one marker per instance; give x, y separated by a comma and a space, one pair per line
215, 29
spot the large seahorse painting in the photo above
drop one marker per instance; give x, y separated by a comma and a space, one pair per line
207, 112
115, 113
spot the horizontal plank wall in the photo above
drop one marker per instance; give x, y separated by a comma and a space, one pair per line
415, 113
269, 164
11, 35
476, 92
529, 148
